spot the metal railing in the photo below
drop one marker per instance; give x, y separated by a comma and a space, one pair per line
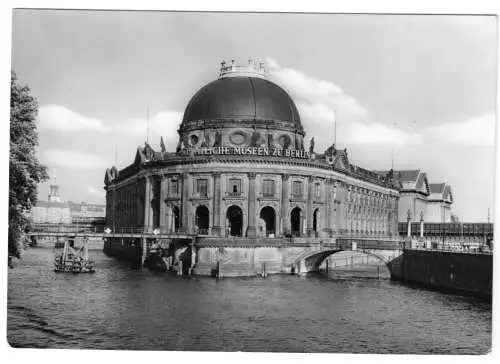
449, 246
202, 231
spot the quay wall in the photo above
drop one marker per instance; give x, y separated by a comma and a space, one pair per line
123, 249
247, 261
467, 272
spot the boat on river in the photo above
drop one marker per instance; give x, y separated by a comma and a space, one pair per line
74, 261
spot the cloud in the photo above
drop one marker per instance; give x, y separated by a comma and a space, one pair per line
73, 159
95, 192
375, 133
164, 123
318, 99
56, 117
477, 131
320, 102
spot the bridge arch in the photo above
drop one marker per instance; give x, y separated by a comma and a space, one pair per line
311, 261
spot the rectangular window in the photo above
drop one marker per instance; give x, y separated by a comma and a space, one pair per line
297, 188
317, 190
268, 188
202, 187
235, 187
174, 187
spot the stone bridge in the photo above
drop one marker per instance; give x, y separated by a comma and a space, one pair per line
388, 252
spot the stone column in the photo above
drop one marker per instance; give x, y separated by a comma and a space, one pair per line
396, 215
309, 213
216, 227
341, 222
285, 202
251, 229
329, 205
421, 225
148, 209
163, 195
409, 223
185, 201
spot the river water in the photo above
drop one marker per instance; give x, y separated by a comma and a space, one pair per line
123, 308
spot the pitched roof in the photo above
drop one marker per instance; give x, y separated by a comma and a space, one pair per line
407, 175
404, 175
440, 192
437, 187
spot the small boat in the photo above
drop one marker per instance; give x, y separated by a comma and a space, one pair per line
72, 261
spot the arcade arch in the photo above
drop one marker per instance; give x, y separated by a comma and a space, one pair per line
268, 217
296, 221
234, 221
202, 219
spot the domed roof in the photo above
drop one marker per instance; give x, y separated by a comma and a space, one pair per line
242, 99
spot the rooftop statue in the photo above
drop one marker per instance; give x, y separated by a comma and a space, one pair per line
148, 151
162, 145
255, 137
311, 146
218, 138
206, 141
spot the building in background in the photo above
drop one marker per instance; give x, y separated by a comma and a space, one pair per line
439, 203
419, 199
53, 211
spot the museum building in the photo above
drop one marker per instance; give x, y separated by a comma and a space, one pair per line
241, 170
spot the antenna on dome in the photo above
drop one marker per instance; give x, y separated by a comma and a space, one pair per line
115, 151
335, 127
147, 126
393, 148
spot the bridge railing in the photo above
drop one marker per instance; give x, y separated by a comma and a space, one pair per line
348, 243
44, 229
67, 229
485, 251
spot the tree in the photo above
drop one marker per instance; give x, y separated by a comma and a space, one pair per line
25, 171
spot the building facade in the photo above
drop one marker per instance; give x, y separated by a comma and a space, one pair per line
241, 170
440, 201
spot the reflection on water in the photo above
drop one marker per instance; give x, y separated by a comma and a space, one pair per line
121, 308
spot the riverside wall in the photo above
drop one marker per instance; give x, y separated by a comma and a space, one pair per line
466, 272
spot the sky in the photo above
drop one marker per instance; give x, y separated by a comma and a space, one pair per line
423, 86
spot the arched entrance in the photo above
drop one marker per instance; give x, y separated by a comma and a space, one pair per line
268, 216
296, 221
202, 219
316, 221
234, 218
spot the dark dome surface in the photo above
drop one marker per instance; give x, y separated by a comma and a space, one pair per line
242, 99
